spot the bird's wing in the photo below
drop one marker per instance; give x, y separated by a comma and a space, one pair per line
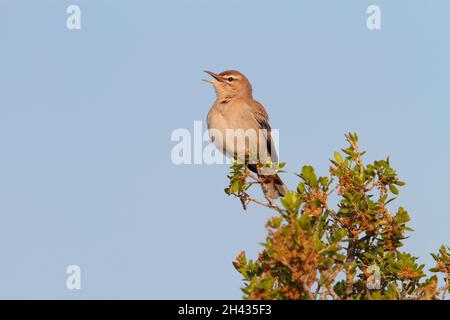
262, 118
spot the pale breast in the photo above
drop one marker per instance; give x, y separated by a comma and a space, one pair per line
229, 125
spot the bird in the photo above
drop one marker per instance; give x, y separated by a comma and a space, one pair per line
235, 109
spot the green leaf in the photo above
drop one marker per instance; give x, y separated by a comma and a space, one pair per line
301, 187
332, 248
390, 200
291, 201
305, 222
334, 162
338, 235
350, 152
319, 244
235, 187
309, 174
324, 181
393, 189
435, 257
275, 222
338, 157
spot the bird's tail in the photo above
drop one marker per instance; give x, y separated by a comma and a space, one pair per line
272, 186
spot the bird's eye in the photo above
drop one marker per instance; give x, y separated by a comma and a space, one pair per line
230, 79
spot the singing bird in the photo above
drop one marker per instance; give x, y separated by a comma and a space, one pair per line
235, 109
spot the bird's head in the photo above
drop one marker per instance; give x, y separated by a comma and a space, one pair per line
230, 84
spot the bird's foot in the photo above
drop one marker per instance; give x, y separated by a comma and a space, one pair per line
244, 197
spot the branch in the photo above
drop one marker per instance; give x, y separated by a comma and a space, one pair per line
245, 199
333, 214
358, 153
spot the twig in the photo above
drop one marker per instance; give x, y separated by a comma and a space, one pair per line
268, 205
317, 290
350, 259
358, 153
333, 214
348, 282
376, 183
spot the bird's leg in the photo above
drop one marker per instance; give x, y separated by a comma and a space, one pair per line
244, 202
245, 199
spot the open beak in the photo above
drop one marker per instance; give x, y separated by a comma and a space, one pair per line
215, 76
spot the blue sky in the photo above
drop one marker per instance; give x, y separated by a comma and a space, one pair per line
86, 118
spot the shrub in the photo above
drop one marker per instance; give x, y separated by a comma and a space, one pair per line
352, 250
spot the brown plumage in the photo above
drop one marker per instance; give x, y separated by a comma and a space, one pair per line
236, 109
